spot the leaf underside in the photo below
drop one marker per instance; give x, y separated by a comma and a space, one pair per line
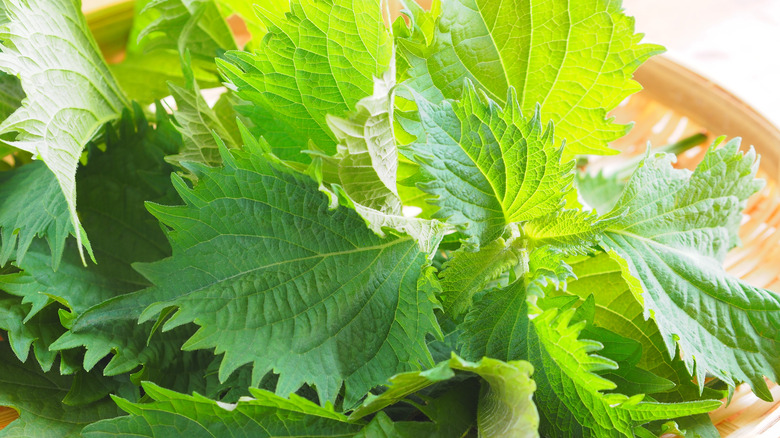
69, 96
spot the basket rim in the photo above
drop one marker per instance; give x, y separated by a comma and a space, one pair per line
712, 106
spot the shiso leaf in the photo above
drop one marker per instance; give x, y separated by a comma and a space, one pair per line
318, 59
505, 406
573, 399
288, 284
38, 396
263, 415
488, 167
677, 230
574, 58
70, 96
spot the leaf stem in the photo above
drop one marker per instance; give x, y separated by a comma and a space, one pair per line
626, 169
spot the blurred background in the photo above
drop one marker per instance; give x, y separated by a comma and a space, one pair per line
735, 43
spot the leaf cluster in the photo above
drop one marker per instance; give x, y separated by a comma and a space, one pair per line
375, 230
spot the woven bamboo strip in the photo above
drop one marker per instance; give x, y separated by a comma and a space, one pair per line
7, 415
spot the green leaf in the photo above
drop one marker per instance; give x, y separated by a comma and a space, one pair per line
193, 25
426, 232
677, 230
505, 407
467, 273
287, 257
571, 232
198, 123
381, 426
69, 96
451, 408
320, 59
22, 334
606, 278
600, 192
32, 204
112, 189
264, 415
546, 267
38, 398
564, 357
574, 58
366, 163
489, 329
571, 397
488, 167
624, 351
697, 426
11, 95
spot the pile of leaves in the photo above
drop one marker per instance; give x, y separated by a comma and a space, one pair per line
377, 229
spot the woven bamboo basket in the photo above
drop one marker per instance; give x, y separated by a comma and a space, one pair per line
674, 104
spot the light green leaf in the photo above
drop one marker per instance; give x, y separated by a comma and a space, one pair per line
246, 10
488, 167
574, 58
546, 267
321, 58
307, 311
366, 163
505, 407
38, 397
426, 232
411, 196
618, 310
227, 115
197, 122
364, 169
153, 57
193, 25
264, 415
571, 232
677, 230
467, 273
600, 192
69, 96
573, 400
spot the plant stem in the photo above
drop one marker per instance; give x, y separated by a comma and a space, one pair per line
626, 169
